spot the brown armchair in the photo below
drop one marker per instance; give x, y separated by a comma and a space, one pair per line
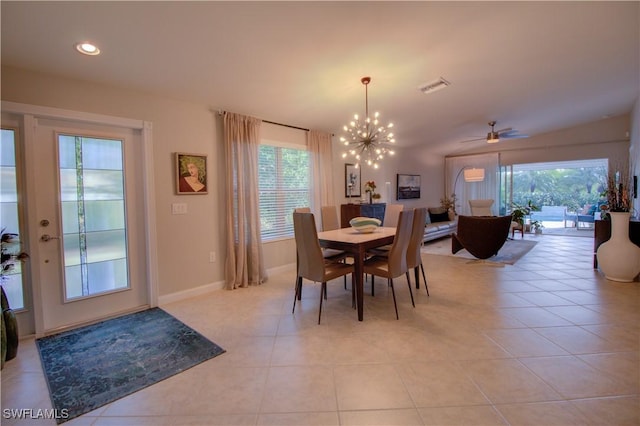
482, 236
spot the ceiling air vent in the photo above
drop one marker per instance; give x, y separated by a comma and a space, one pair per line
438, 84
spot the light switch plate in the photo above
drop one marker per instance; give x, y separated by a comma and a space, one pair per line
178, 208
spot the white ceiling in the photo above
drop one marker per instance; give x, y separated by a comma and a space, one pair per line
532, 66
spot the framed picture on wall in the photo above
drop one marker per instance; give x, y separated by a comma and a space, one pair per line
352, 182
408, 187
191, 173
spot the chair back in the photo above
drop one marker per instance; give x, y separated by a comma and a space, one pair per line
417, 234
481, 207
398, 253
310, 258
391, 214
302, 210
329, 218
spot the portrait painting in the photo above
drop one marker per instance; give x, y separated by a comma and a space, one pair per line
191, 173
352, 182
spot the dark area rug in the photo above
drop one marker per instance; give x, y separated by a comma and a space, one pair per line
91, 366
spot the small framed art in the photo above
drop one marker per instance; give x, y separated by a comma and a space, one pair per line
191, 173
352, 183
408, 187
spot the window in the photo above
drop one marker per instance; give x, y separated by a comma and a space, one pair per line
284, 184
12, 281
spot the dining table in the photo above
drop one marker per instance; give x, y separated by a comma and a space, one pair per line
356, 244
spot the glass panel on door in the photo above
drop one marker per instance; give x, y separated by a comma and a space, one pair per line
11, 279
93, 216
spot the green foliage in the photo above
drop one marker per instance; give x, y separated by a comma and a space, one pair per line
572, 188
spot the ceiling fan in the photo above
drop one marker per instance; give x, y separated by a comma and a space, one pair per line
496, 135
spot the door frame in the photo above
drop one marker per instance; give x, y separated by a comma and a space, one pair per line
28, 114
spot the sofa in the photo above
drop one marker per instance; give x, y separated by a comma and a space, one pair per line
440, 223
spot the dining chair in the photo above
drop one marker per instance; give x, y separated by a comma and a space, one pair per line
414, 254
391, 214
395, 263
329, 216
311, 262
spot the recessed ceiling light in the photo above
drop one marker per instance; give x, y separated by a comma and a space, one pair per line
87, 48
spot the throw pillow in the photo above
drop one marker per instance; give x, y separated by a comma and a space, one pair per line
439, 217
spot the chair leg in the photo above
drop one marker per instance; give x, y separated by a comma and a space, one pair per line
417, 276
323, 289
395, 305
373, 286
299, 288
297, 293
411, 293
424, 278
409, 277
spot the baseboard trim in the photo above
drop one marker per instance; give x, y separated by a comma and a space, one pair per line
211, 287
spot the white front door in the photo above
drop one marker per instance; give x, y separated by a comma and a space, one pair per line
89, 222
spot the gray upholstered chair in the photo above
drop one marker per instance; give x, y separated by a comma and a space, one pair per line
391, 214
395, 263
414, 255
311, 262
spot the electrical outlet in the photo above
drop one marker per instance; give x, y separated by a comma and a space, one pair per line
212, 256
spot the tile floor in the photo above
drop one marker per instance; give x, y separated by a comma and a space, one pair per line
547, 341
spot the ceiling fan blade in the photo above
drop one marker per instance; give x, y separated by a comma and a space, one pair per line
514, 136
505, 130
474, 139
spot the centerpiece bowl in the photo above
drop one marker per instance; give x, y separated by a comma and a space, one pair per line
365, 225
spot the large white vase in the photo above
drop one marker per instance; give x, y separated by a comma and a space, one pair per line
619, 258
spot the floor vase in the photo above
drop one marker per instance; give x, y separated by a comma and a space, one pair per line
619, 258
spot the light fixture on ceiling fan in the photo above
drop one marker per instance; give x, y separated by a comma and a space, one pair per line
495, 136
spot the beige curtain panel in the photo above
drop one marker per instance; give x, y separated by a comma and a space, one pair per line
319, 144
244, 264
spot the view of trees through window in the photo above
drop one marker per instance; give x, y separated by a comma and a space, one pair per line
566, 186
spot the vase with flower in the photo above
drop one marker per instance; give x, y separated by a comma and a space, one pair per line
370, 188
619, 258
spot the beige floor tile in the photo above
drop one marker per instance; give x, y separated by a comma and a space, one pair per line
574, 340
484, 415
536, 317
559, 413
398, 417
366, 387
617, 411
297, 419
299, 389
573, 378
440, 384
507, 380
525, 342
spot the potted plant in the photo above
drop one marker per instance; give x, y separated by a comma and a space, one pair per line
10, 254
537, 226
519, 212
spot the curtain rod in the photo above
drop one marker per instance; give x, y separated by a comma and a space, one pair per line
221, 112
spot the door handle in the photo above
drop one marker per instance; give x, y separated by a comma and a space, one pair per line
47, 237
